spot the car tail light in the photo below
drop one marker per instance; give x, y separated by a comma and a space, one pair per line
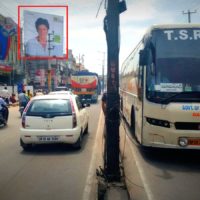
74, 120
23, 120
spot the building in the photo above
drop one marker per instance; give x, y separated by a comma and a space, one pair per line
11, 69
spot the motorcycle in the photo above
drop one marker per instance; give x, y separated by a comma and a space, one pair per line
4, 112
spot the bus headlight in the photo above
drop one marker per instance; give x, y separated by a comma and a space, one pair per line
183, 142
158, 122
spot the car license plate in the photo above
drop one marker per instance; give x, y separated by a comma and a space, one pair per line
194, 141
48, 138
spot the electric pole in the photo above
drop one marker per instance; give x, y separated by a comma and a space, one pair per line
189, 14
112, 120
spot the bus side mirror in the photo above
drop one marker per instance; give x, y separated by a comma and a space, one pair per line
143, 57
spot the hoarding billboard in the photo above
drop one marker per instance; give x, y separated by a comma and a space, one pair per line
43, 34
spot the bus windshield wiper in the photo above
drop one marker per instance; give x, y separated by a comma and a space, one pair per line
167, 100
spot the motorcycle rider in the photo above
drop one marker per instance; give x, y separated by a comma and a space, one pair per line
23, 99
4, 110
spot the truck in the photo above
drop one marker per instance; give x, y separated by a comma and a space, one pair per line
86, 85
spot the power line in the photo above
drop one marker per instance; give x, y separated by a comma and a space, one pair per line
189, 14
99, 8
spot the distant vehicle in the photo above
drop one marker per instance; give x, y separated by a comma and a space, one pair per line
54, 119
86, 85
160, 87
61, 88
61, 92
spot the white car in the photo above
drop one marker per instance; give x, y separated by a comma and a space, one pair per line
60, 92
54, 119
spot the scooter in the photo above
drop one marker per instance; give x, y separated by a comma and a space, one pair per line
4, 112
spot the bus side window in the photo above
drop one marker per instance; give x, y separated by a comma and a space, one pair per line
140, 83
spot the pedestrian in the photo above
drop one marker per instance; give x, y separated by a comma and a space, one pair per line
12, 98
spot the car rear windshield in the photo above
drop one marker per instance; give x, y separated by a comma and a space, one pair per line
50, 108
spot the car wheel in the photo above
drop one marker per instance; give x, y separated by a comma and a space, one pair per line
86, 129
26, 147
78, 143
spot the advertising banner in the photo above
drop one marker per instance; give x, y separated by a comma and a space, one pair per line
43, 34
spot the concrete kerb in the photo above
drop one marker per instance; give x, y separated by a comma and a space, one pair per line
91, 186
95, 187
114, 190
134, 182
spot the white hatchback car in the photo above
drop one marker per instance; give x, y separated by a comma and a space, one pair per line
54, 119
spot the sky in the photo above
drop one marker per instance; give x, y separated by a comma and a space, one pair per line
86, 36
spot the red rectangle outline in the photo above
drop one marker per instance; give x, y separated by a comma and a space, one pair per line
19, 34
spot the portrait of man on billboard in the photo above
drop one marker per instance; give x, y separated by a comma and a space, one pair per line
43, 35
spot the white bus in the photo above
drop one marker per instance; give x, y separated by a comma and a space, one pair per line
160, 87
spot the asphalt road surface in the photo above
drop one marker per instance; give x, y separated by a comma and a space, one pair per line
166, 174
47, 172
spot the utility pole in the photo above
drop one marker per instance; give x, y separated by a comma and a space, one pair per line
189, 14
112, 121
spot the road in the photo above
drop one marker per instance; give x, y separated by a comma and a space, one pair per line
165, 174
47, 172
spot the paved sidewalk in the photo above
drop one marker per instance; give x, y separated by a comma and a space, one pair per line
116, 193
113, 191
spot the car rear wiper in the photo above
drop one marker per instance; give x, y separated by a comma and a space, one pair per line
167, 100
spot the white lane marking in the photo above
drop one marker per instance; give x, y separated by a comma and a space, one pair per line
141, 171
92, 168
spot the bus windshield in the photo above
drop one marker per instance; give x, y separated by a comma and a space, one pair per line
177, 66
